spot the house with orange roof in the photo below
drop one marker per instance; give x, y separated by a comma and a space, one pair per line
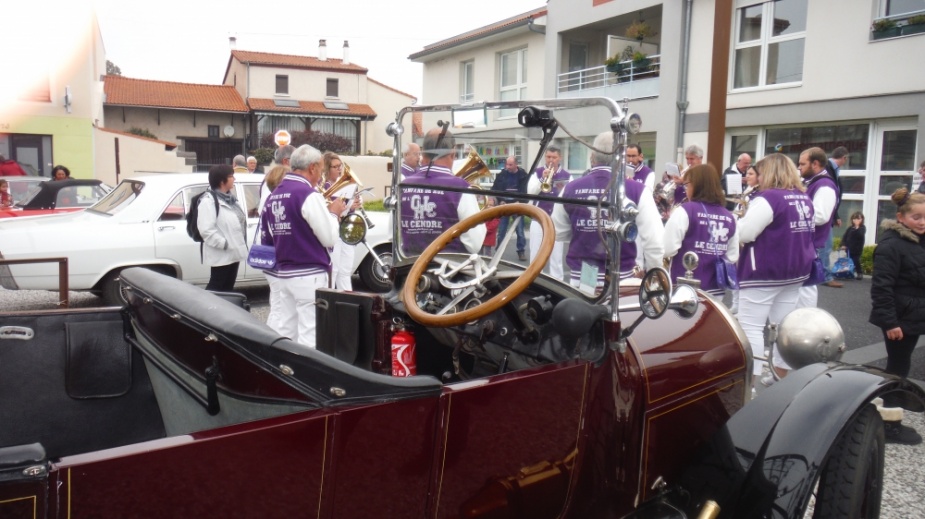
207, 123
318, 93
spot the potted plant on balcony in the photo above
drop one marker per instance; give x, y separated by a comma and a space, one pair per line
641, 62
639, 30
885, 28
614, 64
915, 24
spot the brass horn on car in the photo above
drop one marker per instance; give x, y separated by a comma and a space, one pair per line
473, 169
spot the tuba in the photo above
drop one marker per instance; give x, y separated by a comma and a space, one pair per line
347, 178
473, 169
741, 201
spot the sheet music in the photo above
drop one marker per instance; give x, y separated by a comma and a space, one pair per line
734, 184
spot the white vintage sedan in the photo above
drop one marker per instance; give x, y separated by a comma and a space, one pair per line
142, 222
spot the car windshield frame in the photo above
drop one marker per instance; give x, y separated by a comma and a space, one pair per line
119, 198
609, 116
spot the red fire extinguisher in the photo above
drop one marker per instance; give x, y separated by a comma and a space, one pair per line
404, 356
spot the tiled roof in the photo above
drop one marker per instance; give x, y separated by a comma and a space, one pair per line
286, 60
503, 25
168, 144
393, 89
312, 108
123, 91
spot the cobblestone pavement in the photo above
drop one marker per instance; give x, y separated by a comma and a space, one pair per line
904, 473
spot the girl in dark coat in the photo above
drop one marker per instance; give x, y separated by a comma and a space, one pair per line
898, 293
853, 242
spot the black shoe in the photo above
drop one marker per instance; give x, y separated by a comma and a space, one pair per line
896, 432
521, 255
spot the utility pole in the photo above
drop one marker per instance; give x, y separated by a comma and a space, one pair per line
719, 81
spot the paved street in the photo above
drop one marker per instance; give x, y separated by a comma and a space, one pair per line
904, 480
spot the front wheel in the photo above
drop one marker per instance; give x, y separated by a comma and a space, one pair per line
373, 275
851, 482
111, 292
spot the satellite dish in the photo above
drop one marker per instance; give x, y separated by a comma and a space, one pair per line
228, 131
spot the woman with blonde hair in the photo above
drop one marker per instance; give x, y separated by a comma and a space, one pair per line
779, 218
342, 256
703, 225
271, 181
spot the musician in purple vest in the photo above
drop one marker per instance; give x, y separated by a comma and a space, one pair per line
410, 159
777, 232
301, 226
642, 173
703, 225
587, 254
559, 178
426, 212
821, 188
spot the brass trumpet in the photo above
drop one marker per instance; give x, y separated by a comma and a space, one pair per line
347, 178
473, 169
546, 182
741, 202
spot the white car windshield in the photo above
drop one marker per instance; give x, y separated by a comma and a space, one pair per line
119, 198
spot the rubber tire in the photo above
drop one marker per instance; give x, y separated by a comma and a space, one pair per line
370, 272
111, 292
851, 482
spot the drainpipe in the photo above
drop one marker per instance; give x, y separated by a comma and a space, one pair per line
685, 60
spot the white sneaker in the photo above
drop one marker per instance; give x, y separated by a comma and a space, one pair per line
734, 308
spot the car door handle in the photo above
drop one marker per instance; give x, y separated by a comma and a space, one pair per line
166, 228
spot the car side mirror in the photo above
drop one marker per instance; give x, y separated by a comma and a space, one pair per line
352, 229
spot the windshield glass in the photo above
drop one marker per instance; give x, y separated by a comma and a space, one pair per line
119, 198
474, 157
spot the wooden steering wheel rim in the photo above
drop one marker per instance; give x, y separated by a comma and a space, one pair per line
514, 289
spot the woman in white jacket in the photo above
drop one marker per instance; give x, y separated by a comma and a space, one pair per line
223, 234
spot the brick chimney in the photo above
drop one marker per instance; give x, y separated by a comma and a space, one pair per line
323, 50
346, 53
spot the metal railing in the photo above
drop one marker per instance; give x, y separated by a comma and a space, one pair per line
600, 77
63, 287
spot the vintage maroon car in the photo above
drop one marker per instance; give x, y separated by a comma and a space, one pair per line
532, 398
59, 196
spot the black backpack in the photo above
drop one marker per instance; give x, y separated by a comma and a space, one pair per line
192, 218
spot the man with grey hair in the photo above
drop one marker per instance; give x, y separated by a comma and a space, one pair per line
743, 162
410, 159
579, 225
252, 164
282, 155
299, 223
239, 163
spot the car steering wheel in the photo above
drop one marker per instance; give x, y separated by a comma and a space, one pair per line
505, 296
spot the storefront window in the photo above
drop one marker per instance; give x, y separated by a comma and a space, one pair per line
792, 141
743, 144
898, 151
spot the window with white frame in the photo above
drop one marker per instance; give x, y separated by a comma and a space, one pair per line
513, 73
769, 42
890, 8
466, 82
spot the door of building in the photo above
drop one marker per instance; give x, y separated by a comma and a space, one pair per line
893, 166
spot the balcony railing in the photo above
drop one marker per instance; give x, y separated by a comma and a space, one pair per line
630, 81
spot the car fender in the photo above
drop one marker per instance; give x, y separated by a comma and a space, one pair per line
767, 457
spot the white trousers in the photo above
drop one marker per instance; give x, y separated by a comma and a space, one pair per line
555, 259
341, 265
809, 297
297, 307
274, 318
757, 306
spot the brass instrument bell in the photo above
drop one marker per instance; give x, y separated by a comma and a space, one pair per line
473, 169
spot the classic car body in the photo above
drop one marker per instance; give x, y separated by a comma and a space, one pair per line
20, 186
60, 196
634, 401
140, 223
